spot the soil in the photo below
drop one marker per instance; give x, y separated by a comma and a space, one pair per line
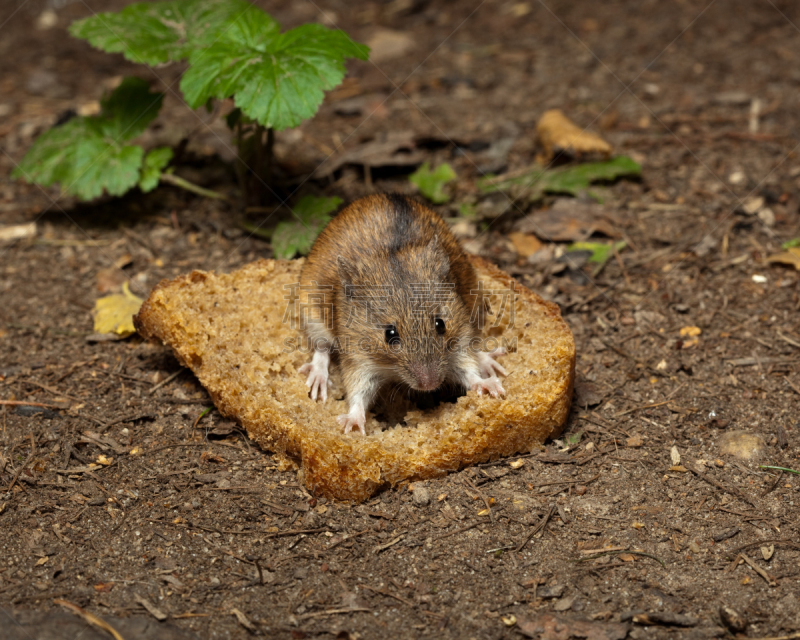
635, 522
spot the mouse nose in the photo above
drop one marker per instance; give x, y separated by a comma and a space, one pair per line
426, 376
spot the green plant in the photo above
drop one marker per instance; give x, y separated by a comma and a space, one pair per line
431, 183
233, 49
532, 183
290, 237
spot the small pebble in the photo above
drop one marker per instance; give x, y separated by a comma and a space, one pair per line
422, 497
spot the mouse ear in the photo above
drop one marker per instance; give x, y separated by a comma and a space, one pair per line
347, 272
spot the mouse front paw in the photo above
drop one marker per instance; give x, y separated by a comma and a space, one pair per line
488, 365
317, 381
492, 386
350, 421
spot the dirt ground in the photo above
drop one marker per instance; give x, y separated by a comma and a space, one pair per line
203, 535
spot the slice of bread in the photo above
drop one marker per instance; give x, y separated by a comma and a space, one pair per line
238, 333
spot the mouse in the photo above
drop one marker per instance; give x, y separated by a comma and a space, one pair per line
388, 290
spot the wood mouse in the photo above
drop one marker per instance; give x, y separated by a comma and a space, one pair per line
388, 287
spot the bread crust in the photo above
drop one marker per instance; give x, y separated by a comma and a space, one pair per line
234, 332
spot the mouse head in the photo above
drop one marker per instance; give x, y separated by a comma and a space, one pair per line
405, 315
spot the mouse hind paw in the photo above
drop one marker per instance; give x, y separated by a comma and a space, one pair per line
317, 381
352, 421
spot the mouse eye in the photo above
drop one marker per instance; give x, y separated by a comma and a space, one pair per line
440, 328
392, 337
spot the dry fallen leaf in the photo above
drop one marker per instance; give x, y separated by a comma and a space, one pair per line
791, 257
741, 444
558, 133
524, 243
114, 313
691, 332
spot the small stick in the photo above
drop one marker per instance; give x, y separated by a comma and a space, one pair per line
770, 580
23, 403
391, 595
482, 497
166, 380
89, 617
24, 464
176, 181
457, 531
536, 529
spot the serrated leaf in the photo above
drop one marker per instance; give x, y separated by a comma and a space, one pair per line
114, 313
154, 163
600, 251
297, 236
158, 32
276, 79
431, 183
533, 184
144, 32
87, 155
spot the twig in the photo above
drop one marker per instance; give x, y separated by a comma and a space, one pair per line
391, 543
482, 497
171, 178
548, 484
616, 552
24, 464
23, 403
536, 529
792, 384
166, 380
89, 617
330, 612
383, 592
457, 531
732, 490
347, 537
769, 579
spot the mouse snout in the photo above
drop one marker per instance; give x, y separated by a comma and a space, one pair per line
425, 375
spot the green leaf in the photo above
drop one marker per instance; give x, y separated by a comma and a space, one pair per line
574, 438
310, 217
276, 79
154, 163
159, 32
765, 466
431, 183
794, 242
146, 33
533, 184
601, 251
88, 155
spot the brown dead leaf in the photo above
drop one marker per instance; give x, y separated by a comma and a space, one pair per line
550, 627
791, 257
634, 441
524, 243
569, 220
387, 44
558, 133
104, 587
396, 148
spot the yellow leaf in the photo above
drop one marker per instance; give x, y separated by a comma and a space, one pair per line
691, 331
114, 313
557, 132
104, 460
791, 257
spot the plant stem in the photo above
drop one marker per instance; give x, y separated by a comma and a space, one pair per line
268, 148
240, 172
189, 186
259, 168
